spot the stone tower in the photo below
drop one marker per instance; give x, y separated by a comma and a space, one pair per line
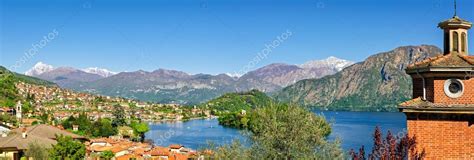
18, 110
441, 113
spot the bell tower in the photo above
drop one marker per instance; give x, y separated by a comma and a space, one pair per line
18, 110
441, 113
455, 34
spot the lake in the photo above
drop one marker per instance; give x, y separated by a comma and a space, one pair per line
353, 128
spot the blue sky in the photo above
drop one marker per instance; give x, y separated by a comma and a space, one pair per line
213, 36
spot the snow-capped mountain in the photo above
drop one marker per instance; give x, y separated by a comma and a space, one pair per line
234, 75
39, 68
99, 71
331, 62
42, 68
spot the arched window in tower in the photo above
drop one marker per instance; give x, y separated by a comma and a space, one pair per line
446, 42
455, 41
463, 42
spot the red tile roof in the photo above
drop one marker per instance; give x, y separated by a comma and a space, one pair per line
160, 151
419, 103
178, 157
175, 146
128, 157
449, 60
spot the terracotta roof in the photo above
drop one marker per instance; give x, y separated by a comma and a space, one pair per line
42, 133
175, 146
160, 151
129, 156
47, 131
419, 103
178, 157
449, 60
16, 140
116, 149
139, 151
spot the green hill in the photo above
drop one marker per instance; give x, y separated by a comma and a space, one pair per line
8, 91
235, 102
24, 78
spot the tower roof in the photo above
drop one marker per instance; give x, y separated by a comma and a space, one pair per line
454, 23
452, 60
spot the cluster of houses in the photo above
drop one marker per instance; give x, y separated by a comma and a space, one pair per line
63, 103
124, 149
14, 145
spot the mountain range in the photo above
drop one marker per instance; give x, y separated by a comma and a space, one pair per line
171, 86
378, 83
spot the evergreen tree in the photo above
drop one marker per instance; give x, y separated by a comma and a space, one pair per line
119, 116
67, 149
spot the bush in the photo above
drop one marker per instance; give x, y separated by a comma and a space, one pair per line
392, 147
282, 131
36, 151
67, 148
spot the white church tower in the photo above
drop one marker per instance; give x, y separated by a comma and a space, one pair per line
18, 110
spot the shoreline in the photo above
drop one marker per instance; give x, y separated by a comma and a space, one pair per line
175, 120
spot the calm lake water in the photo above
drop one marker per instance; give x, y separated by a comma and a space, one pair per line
353, 128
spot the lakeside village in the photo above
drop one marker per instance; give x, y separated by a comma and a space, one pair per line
108, 127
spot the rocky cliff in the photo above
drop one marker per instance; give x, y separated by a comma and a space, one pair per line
377, 84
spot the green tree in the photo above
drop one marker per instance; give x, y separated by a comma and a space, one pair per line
235, 151
8, 118
36, 151
107, 155
140, 128
119, 116
67, 123
287, 131
67, 148
29, 103
283, 131
84, 122
27, 107
103, 128
44, 117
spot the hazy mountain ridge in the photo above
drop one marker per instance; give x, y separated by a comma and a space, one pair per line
171, 86
378, 83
